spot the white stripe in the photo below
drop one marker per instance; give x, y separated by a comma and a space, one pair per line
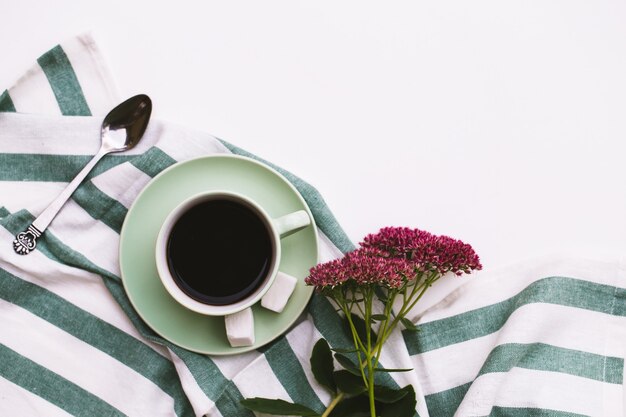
171, 137
80, 363
199, 401
537, 389
232, 365
92, 73
62, 135
32, 93
327, 250
33, 196
565, 327
80, 288
49, 135
249, 384
499, 285
122, 183
16, 401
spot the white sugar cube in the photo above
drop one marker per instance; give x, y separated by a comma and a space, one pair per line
240, 328
276, 297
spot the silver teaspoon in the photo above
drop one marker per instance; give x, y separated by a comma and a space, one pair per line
121, 130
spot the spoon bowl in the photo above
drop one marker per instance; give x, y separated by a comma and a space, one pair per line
129, 118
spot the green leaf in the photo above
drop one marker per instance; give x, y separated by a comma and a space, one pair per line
349, 383
392, 369
389, 395
322, 365
409, 325
277, 407
405, 406
379, 317
347, 363
352, 407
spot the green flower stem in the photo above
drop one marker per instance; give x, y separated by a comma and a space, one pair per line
370, 370
358, 345
416, 293
332, 404
384, 325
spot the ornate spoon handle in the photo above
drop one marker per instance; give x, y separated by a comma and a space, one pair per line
26, 241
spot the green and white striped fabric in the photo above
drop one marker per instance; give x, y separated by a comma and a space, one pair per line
541, 340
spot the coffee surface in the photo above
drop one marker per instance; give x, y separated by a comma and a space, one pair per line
219, 252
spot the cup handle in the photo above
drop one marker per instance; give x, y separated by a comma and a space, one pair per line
291, 223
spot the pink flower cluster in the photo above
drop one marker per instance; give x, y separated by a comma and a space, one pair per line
393, 256
363, 267
427, 252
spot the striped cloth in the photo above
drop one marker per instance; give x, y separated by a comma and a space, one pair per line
547, 339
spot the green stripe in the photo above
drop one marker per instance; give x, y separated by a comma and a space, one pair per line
100, 206
51, 386
205, 371
530, 412
63, 168
328, 322
324, 218
64, 83
222, 391
56, 168
288, 370
6, 104
544, 357
568, 292
229, 403
97, 333
153, 161
445, 403
619, 302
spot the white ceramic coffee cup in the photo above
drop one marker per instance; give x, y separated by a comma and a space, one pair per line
276, 228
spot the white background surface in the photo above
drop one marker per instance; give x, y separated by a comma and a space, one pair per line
501, 123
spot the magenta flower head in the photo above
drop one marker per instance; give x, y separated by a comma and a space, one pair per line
327, 275
362, 267
424, 250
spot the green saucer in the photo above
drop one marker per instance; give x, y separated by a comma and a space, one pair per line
193, 331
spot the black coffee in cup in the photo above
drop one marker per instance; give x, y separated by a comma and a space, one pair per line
219, 251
